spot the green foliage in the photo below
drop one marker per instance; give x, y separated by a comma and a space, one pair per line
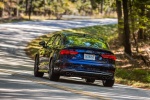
109, 4
107, 32
139, 75
57, 7
1, 5
83, 7
139, 15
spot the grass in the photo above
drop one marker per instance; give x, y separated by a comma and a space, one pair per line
23, 18
13, 19
137, 77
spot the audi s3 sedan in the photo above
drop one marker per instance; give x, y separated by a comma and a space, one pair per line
75, 55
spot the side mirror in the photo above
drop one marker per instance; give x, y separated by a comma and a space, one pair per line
42, 43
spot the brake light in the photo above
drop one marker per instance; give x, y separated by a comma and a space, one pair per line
108, 56
68, 52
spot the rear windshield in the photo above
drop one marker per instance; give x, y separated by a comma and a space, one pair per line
85, 41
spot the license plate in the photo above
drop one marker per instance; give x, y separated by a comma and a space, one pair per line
89, 57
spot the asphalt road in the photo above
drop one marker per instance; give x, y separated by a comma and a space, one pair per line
16, 69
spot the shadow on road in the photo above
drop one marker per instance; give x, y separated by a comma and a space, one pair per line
16, 88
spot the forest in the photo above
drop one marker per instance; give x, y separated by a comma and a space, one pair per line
133, 17
55, 7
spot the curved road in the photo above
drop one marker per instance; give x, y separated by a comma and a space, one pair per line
16, 69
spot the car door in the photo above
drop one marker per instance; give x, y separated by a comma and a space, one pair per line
45, 53
56, 47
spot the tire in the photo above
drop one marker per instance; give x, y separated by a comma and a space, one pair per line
108, 83
52, 76
36, 68
89, 80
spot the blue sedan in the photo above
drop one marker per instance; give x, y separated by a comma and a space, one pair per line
75, 55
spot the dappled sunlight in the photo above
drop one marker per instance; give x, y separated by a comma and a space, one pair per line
21, 89
125, 92
126, 65
118, 92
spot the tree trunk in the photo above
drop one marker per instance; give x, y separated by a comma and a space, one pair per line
1, 12
10, 9
127, 45
93, 4
27, 7
44, 8
30, 9
141, 31
102, 2
1, 9
120, 23
119, 10
140, 34
132, 18
17, 10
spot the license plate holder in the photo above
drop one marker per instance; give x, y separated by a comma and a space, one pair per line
89, 56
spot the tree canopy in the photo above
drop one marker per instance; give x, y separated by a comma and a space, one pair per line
55, 7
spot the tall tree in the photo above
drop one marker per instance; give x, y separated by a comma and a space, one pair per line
141, 14
1, 8
127, 45
27, 6
119, 15
133, 22
93, 4
30, 9
10, 8
102, 4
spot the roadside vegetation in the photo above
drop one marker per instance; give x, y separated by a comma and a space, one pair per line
56, 8
127, 72
137, 77
10, 20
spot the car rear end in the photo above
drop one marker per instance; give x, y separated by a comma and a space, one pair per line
86, 57
87, 62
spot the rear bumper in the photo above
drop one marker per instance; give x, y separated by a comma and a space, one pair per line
85, 74
85, 69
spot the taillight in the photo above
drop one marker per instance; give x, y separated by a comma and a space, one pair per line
108, 56
68, 52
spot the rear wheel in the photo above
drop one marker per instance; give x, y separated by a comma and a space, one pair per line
36, 67
90, 80
53, 76
108, 83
